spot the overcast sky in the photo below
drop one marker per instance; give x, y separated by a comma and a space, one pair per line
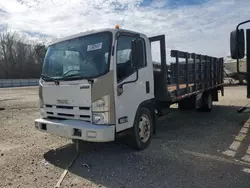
201, 26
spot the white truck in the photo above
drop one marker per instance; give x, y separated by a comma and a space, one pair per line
97, 84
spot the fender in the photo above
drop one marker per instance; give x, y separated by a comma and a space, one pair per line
150, 103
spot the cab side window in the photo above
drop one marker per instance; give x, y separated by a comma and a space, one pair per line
124, 57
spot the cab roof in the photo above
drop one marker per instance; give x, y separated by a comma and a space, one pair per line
92, 32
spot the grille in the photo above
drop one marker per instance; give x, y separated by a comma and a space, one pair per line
68, 112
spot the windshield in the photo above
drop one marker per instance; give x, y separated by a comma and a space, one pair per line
83, 57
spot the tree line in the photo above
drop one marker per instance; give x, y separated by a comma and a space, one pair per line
20, 58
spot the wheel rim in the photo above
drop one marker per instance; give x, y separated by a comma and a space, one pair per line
209, 101
144, 128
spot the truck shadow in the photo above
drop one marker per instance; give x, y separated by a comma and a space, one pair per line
164, 163
202, 132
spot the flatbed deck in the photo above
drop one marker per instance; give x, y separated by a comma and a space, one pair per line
187, 75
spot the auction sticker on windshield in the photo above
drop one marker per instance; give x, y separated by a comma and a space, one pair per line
92, 47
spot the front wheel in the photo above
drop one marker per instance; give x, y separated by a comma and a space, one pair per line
141, 133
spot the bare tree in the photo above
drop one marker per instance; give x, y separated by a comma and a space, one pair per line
19, 59
7, 51
40, 51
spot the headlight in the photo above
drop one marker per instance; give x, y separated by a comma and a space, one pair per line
100, 118
100, 110
101, 104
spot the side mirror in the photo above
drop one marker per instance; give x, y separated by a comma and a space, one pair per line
137, 53
237, 44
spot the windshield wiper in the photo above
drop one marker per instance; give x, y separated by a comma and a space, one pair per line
72, 76
47, 78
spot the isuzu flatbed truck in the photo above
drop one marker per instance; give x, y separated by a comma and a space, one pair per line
97, 84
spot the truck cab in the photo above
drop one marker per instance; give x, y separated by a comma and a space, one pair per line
96, 84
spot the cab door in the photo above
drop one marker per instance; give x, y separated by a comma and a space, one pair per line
132, 87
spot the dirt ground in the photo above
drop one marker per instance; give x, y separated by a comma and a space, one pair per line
190, 149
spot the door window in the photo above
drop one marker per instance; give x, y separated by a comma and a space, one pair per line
124, 57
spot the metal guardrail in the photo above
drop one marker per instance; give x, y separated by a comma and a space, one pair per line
4, 83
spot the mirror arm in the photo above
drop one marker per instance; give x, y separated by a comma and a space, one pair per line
237, 28
132, 81
120, 87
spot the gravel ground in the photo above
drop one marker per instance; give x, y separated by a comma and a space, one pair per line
187, 150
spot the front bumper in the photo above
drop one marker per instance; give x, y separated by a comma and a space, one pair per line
77, 129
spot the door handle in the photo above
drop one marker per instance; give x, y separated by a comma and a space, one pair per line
147, 87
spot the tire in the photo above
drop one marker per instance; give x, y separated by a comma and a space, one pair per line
138, 139
207, 102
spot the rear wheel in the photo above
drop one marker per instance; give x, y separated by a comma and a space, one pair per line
207, 102
141, 133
